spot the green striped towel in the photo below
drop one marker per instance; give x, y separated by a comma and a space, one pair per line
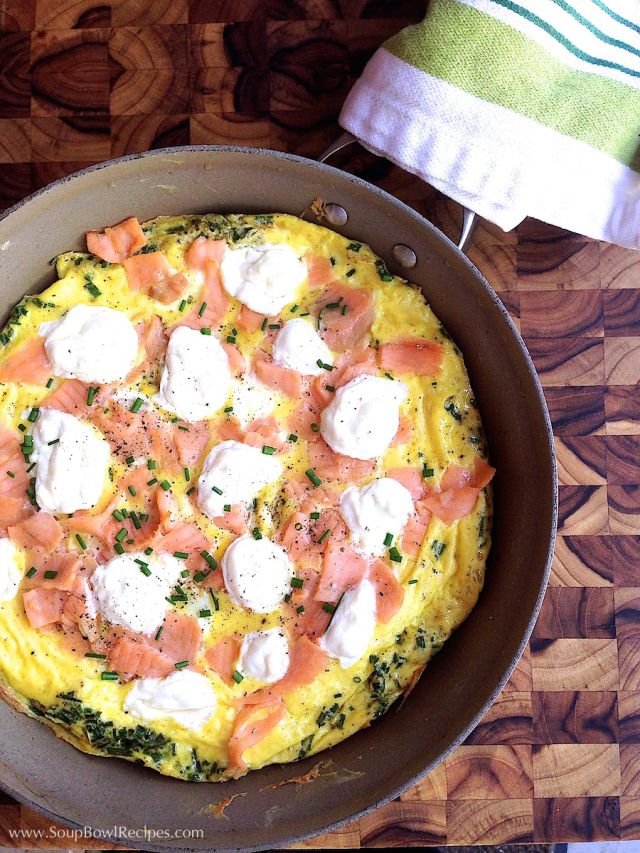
514, 109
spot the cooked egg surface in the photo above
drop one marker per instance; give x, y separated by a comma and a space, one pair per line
243, 487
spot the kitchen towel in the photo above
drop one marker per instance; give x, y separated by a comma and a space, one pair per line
515, 109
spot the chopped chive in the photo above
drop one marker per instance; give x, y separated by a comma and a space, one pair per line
349, 273
298, 583
268, 450
144, 516
388, 539
274, 325
332, 261
202, 309
152, 482
211, 561
437, 548
159, 632
132, 491
130, 541
228, 409
151, 464
300, 609
137, 404
145, 570
294, 308
32, 571
184, 573
227, 507
413, 580
187, 474
50, 382
165, 485
10, 474
136, 521
256, 533
191, 490
315, 428
199, 577
118, 548
238, 677
95, 655
130, 460
324, 536
55, 441
264, 325
314, 515
354, 247
91, 394
216, 490
50, 574
33, 414
324, 365
93, 290
21, 427
332, 305
426, 472
389, 376
293, 437
395, 555
181, 555
140, 562
81, 542
345, 308
231, 339
328, 608
311, 474
183, 305
181, 664
108, 676
122, 534
287, 598
204, 613
216, 603
31, 467
330, 388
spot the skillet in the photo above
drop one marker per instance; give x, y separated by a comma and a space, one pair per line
118, 800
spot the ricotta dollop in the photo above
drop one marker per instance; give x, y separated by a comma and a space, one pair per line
265, 655
251, 400
349, 634
299, 347
90, 343
184, 696
362, 419
10, 573
264, 278
126, 596
234, 473
373, 511
257, 573
72, 462
196, 377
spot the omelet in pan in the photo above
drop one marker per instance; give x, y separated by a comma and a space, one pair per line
244, 493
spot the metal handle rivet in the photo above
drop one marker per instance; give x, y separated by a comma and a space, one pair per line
405, 256
335, 214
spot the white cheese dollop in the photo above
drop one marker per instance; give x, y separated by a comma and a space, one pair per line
238, 472
299, 347
362, 419
349, 634
184, 696
257, 573
264, 278
196, 377
265, 655
90, 343
374, 510
72, 461
10, 573
125, 596
251, 400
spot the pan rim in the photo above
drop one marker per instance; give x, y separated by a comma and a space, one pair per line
550, 464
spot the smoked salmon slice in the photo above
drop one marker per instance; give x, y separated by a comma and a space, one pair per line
312, 622
29, 364
66, 567
302, 535
342, 568
153, 338
39, 530
347, 367
415, 530
13, 511
389, 591
44, 606
72, 397
405, 431
186, 538
319, 269
117, 243
345, 317
237, 363
336, 467
306, 662
223, 656
411, 478
204, 250
152, 275
249, 729
418, 356
13, 472
180, 638
213, 297
458, 491
236, 521
273, 375
191, 442
132, 657
248, 320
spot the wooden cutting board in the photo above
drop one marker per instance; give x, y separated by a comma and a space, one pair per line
558, 756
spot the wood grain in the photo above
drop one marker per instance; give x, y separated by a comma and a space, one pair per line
557, 757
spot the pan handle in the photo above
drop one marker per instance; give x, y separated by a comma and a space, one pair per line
470, 219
